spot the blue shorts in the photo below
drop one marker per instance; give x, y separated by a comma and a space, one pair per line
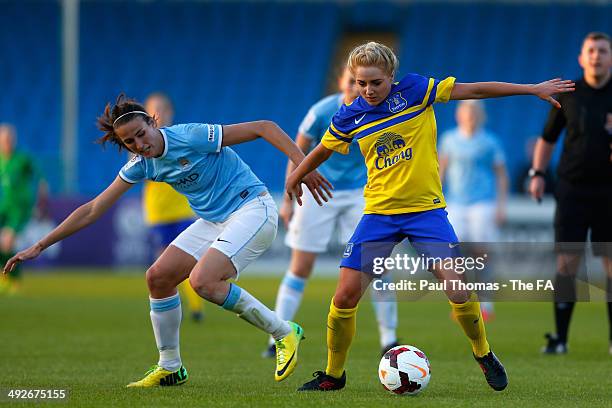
164, 234
429, 232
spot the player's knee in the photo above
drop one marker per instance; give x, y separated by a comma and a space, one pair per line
302, 271
195, 282
203, 287
302, 263
458, 296
157, 278
344, 299
569, 263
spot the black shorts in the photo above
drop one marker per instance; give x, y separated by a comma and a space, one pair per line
584, 208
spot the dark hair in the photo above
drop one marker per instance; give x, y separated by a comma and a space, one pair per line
598, 35
106, 122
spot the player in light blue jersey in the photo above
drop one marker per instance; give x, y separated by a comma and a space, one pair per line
472, 165
310, 227
471, 156
238, 222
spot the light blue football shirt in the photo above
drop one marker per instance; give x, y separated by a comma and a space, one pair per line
344, 172
470, 175
214, 179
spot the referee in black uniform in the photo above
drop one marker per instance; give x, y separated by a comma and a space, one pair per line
584, 189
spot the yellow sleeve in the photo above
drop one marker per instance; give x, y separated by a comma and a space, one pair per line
335, 141
444, 89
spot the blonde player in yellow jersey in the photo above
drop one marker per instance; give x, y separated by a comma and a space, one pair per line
395, 126
167, 212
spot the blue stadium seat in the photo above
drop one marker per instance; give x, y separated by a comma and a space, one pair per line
219, 62
31, 78
227, 62
506, 42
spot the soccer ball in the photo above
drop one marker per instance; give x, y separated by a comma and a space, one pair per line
404, 370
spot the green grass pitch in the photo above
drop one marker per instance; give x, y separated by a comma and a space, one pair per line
90, 333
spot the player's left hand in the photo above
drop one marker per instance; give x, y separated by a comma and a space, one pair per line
30, 253
545, 90
319, 186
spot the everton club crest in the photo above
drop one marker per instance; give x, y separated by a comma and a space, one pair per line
396, 102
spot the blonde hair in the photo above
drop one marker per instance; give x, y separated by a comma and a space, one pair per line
373, 54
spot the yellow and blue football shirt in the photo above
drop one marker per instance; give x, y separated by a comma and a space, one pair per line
398, 140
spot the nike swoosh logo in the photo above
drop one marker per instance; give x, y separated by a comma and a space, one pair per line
360, 119
422, 370
281, 372
453, 245
222, 240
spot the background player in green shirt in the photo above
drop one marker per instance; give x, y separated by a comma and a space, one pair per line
18, 178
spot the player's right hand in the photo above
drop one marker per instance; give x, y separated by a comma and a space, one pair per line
319, 186
286, 211
30, 253
536, 188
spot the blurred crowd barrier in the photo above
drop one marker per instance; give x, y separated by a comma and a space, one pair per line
121, 238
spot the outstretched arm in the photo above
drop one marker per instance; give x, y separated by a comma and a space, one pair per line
268, 130
273, 134
299, 175
77, 220
482, 90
